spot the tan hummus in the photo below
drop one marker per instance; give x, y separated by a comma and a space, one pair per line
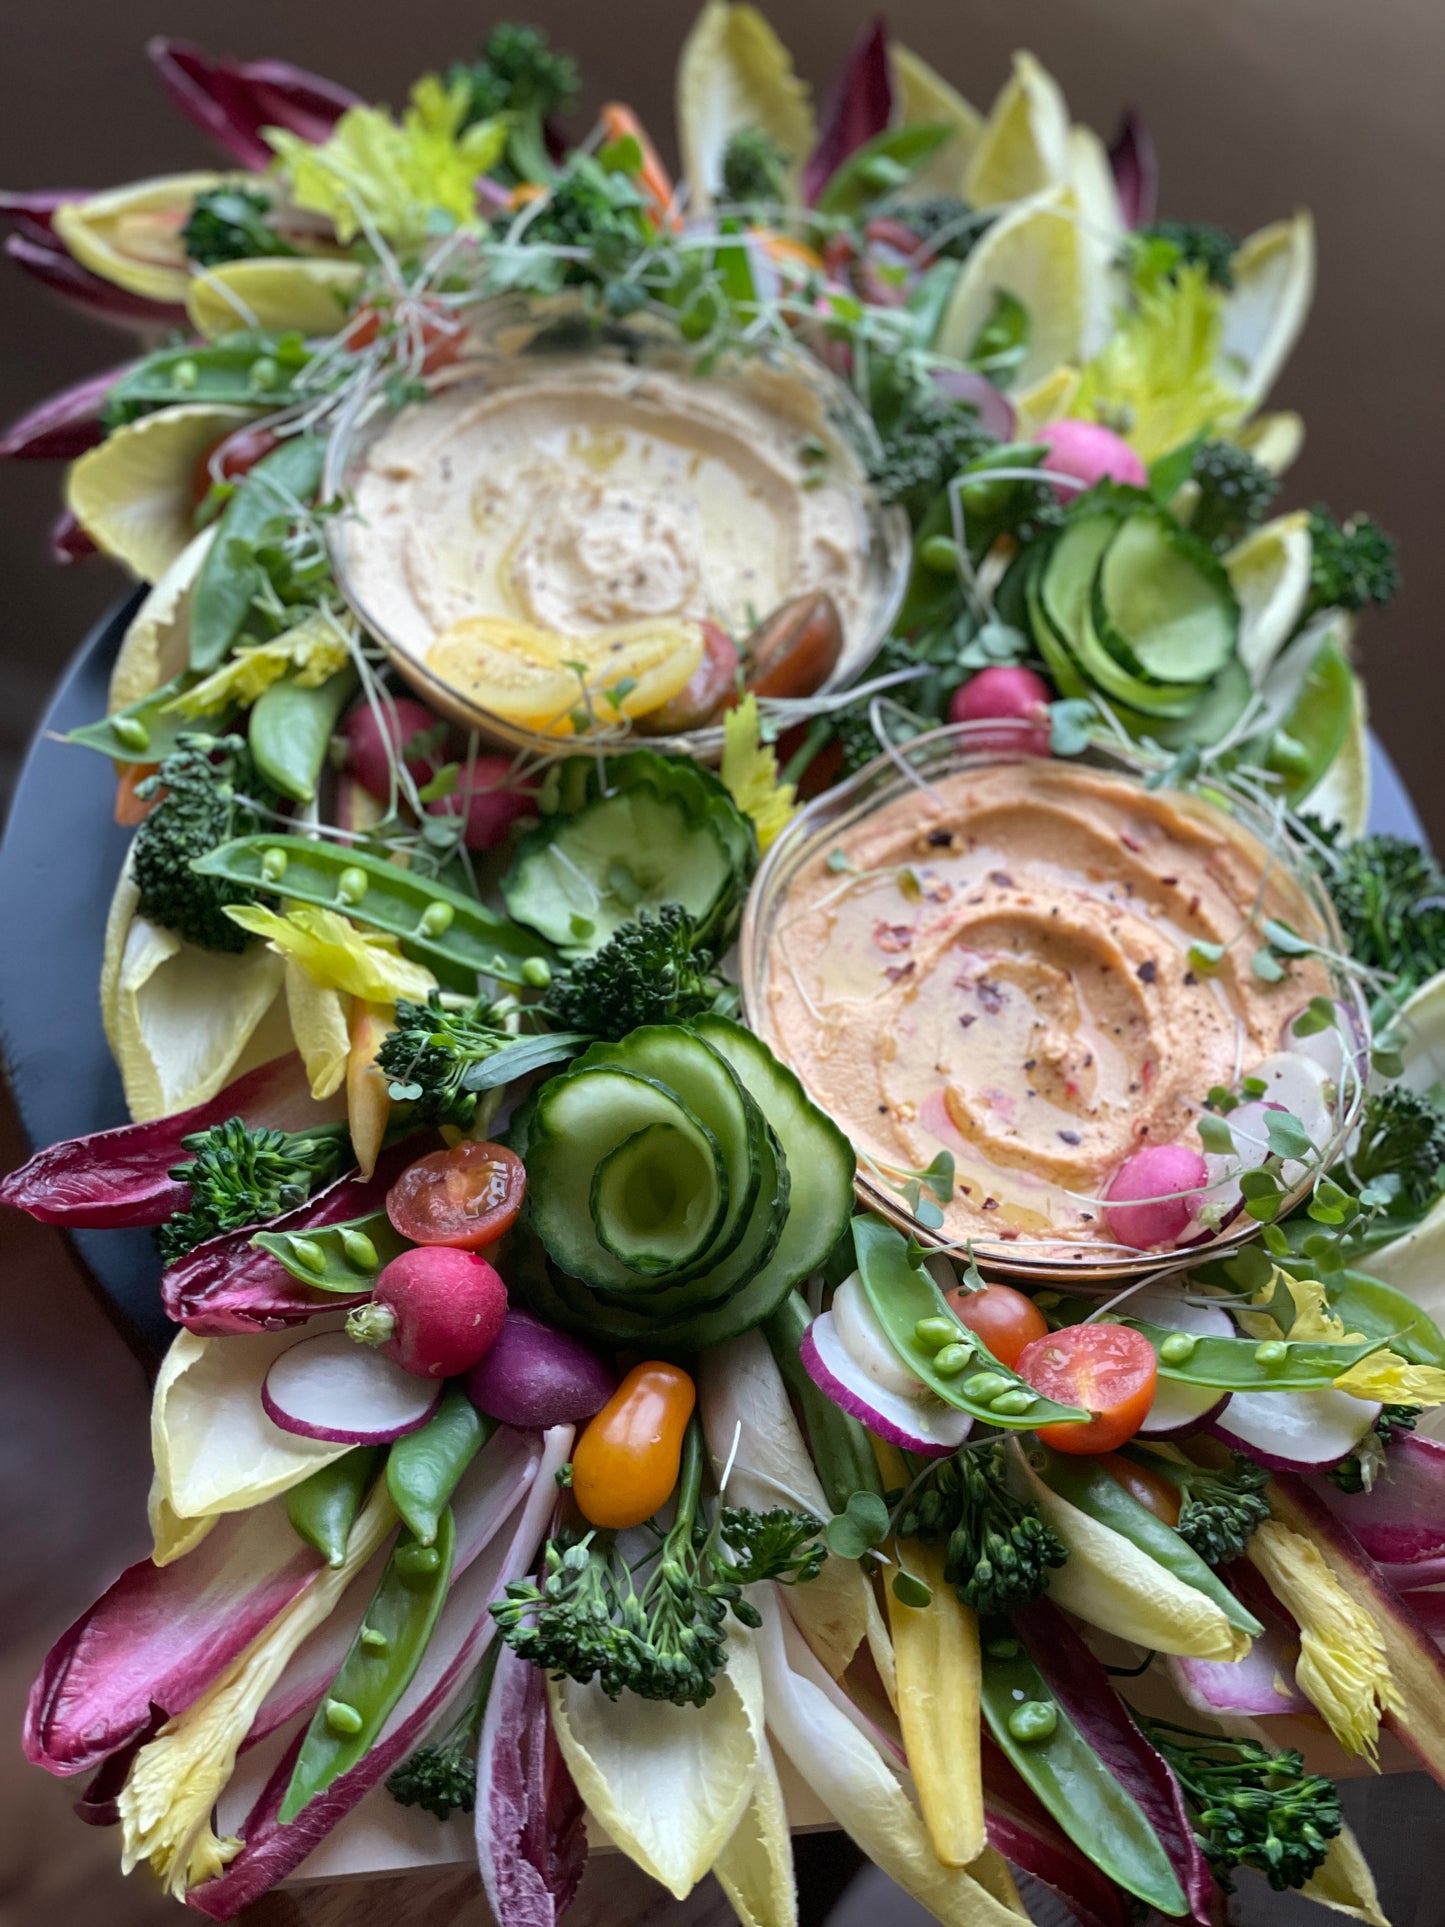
577, 492
1003, 973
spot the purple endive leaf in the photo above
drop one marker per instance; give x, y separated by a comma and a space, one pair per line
232, 100
1135, 162
64, 425
69, 541
1086, 1693
43, 256
531, 1842
490, 1490
121, 1177
228, 1285
34, 214
995, 410
99, 1805
160, 1635
1263, 1681
860, 108
1400, 1521
462, 1635
1021, 1828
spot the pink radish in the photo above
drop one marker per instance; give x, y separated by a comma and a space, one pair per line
533, 1376
1090, 453
1009, 693
1296, 1431
327, 1388
492, 805
373, 743
924, 1425
434, 1311
1144, 1207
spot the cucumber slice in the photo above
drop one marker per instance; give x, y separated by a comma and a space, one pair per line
577, 878
657, 1200
1215, 715
1068, 572
1056, 657
580, 1118
1165, 600
693, 784
1104, 667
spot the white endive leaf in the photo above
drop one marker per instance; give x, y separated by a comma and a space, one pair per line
1344, 1882
131, 235
172, 1536
134, 493
1274, 283
309, 295
1269, 572
319, 1023
1023, 146
1342, 794
755, 1868
1036, 253
734, 72
668, 1783
155, 647
1101, 234
927, 100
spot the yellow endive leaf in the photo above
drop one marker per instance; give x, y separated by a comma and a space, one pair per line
1023, 147
1274, 440
368, 1088
1274, 282
1035, 253
993, 1874
1109, 1582
1048, 399
1269, 572
734, 72
335, 954
311, 296
927, 100
134, 493
1344, 1883
131, 235
172, 1536
155, 646
755, 1868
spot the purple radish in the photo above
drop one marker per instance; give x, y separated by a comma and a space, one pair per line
1154, 1197
1179, 1409
926, 1426
1296, 1431
327, 1388
1090, 453
434, 1311
533, 1376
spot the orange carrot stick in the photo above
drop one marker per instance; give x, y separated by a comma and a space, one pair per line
129, 809
619, 123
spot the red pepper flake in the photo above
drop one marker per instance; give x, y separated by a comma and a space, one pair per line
1194, 903
1190, 980
990, 996
1147, 971
893, 937
895, 972
990, 1204
1130, 842
940, 839
1070, 1137
1169, 882
968, 1017
1001, 878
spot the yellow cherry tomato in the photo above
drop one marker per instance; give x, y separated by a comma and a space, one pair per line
626, 1462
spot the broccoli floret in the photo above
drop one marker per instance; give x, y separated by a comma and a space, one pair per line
196, 808
754, 169
853, 725
597, 210
1388, 893
240, 1177
1221, 1506
925, 445
1235, 492
1352, 563
442, 1775
1196, 243
520, 75
1401, 1145
430, 1051
1359, 1471
230, 224
663, 1638
649, 972
1251, 1807
951, 226
998, 1551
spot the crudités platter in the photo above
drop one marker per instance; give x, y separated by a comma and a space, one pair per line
770, 1089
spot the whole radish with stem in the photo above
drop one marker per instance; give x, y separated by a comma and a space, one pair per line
434, 1312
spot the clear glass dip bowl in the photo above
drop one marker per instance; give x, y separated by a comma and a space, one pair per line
510, 327
802, 853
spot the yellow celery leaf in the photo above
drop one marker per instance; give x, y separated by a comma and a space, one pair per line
320, 1019
750, 773
336, 955
1110, 1583
166, 1803
668, 1783
1343, 1882
131, 235
1343, 1669
755, 1868
311, 651
734, 72
396, 176
1393, 1381
1157, 379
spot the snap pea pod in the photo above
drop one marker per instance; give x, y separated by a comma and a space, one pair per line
231, 578
841, 1448
323, 1508
1251, 1364
1369, 1305
1087, 1485
389, 1646
460, 938
342, 1257
247, 369
290, 730
1069, 1777
903, 1297
423, 1467
142, 732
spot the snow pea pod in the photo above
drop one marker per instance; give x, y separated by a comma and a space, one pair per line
422, 1468
460, 938
903, 1297
290, 730
323, 1508
1066, 1773
143, 732
231, 577
1249, 1365
841, 1448
246, 369
1087, 1485
389, 1646
1369, 1305
342, 1257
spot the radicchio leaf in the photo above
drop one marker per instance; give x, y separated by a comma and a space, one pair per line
1400, 1521
531, 1843
69, 541
1262, 1682
232, 100
1135, 162
41, 254
64, 425
860, 108
34, 214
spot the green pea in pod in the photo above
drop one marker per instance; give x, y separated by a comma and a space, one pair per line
323, 1508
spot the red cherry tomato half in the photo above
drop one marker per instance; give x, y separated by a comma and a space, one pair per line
466, 1197
443, 336
232, 459
1109, 1370
1003, 1318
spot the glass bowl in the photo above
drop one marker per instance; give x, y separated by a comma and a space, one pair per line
509, 339
806, 990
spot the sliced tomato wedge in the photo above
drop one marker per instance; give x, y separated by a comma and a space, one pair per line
1003, 1318
1109, 1370
466, 1197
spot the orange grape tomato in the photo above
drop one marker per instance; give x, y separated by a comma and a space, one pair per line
1003, 1318
626, 1462
1109, 1370
1148, 1489
466, 1197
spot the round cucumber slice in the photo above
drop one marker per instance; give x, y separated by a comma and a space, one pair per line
1068, 573
657, 1199
1166, 600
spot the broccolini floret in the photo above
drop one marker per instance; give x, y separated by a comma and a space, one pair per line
1359, 1471
1251, 1807
1390, 896
1352, 563
239, 1176
230, 224
951, 226
998, 1550
196, 807
1196, 243
597, 211
650, 972
1235, 492
429, 1052
1401, 1145
754, 169
926, 444
1221, 1506
520, 75
442, 1775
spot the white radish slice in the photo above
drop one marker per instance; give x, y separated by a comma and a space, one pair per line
331, 1388
1301, 1085
925, 1425
866, 1343
1247, 1126
1179, 1409
1296, 1431
1330, 1048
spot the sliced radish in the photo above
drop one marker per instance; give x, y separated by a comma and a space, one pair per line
1296, 1431
926, 1426
331, 1388
1301, 1085
1179, 1409
864, 1340
1332, 1047
1248, 1125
